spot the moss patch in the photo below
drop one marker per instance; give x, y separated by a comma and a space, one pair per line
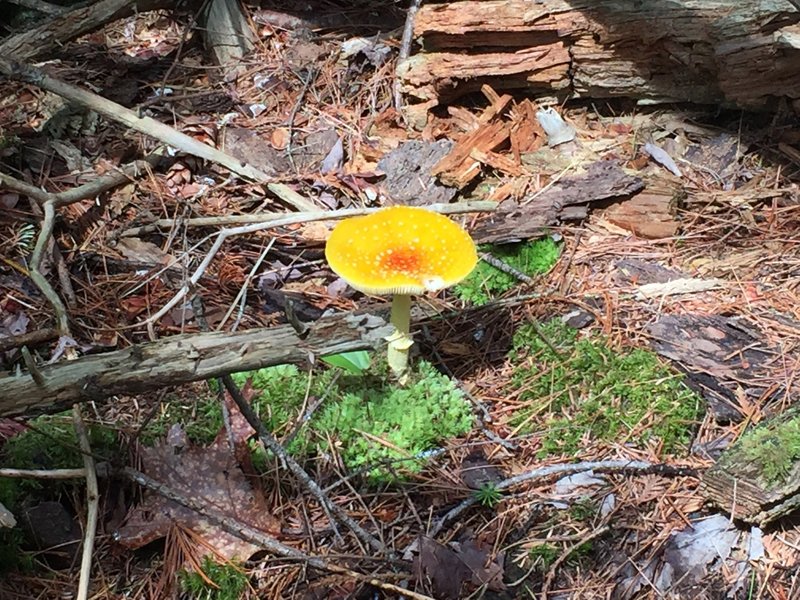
597, 391
773, 448
368, 420
228, 581
486, 281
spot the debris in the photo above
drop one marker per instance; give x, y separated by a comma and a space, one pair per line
451, 573
757, 480
647, 214
477, 472
721, 357
207, 474
678, 287
565, 200
662, 158
408, 171
557, 129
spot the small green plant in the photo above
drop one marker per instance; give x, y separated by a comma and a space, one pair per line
583, 509
486, 281
592, 390
229, 581
773, 448
544, 555
488, 495
369, 420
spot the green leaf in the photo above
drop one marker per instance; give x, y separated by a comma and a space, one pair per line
353, 362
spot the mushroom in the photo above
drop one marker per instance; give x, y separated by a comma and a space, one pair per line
400, 250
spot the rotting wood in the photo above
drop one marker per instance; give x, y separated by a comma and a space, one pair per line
711, 52
49, 37
567, 199
741, 481
464, 161
182, 359
647, 215
722, 357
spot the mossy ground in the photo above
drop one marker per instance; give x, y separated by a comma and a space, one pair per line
485, 282
51, 443
227, 581
372, 424
773, 448
593, 391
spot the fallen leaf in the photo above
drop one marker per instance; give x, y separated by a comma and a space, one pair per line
208, 475
449, 571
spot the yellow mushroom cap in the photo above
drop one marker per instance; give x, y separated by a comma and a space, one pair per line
400, 250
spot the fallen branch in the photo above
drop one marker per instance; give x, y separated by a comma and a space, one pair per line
603, 466
269, 441
258, 537
49, 37
92, 501
182, 359
148, 126
281, 221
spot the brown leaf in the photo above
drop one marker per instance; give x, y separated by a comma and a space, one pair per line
447, 570
209, 475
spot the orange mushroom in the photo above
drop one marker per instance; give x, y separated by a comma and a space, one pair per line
401, 250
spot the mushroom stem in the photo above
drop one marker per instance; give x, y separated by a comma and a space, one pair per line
400, 341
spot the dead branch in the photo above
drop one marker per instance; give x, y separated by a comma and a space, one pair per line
42, 41
624, 466
14, 69
269, 441
255, 536
280, 222
92, 501
182, 359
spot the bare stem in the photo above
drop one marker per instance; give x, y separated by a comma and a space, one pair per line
400, 341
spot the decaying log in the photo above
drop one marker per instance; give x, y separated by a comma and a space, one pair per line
182, 359
48, 37
566, 200
735, 52
758, 479
721, 356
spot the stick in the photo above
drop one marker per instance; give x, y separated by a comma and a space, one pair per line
305, 479
184, 358
92, 498
629, 466
405, 52
258, 537
160, 224
148, 126
280, 221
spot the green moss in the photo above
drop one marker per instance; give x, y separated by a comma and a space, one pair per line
595, 391
229, 581
368, 419
773, 447
486, 281
53, 444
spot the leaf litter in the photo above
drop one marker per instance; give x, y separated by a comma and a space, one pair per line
212, 476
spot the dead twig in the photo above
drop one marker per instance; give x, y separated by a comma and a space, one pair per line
565, 555
92, 498
305, 479
626, 466
294, 219
405, 52
262, 539
148, 126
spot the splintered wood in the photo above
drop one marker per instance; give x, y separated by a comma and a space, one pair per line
491, 132
604, 49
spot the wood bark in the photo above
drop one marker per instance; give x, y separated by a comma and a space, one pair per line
738, 483
732, 52
183, 359
44, 40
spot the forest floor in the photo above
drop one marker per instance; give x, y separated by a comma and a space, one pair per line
572, 452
